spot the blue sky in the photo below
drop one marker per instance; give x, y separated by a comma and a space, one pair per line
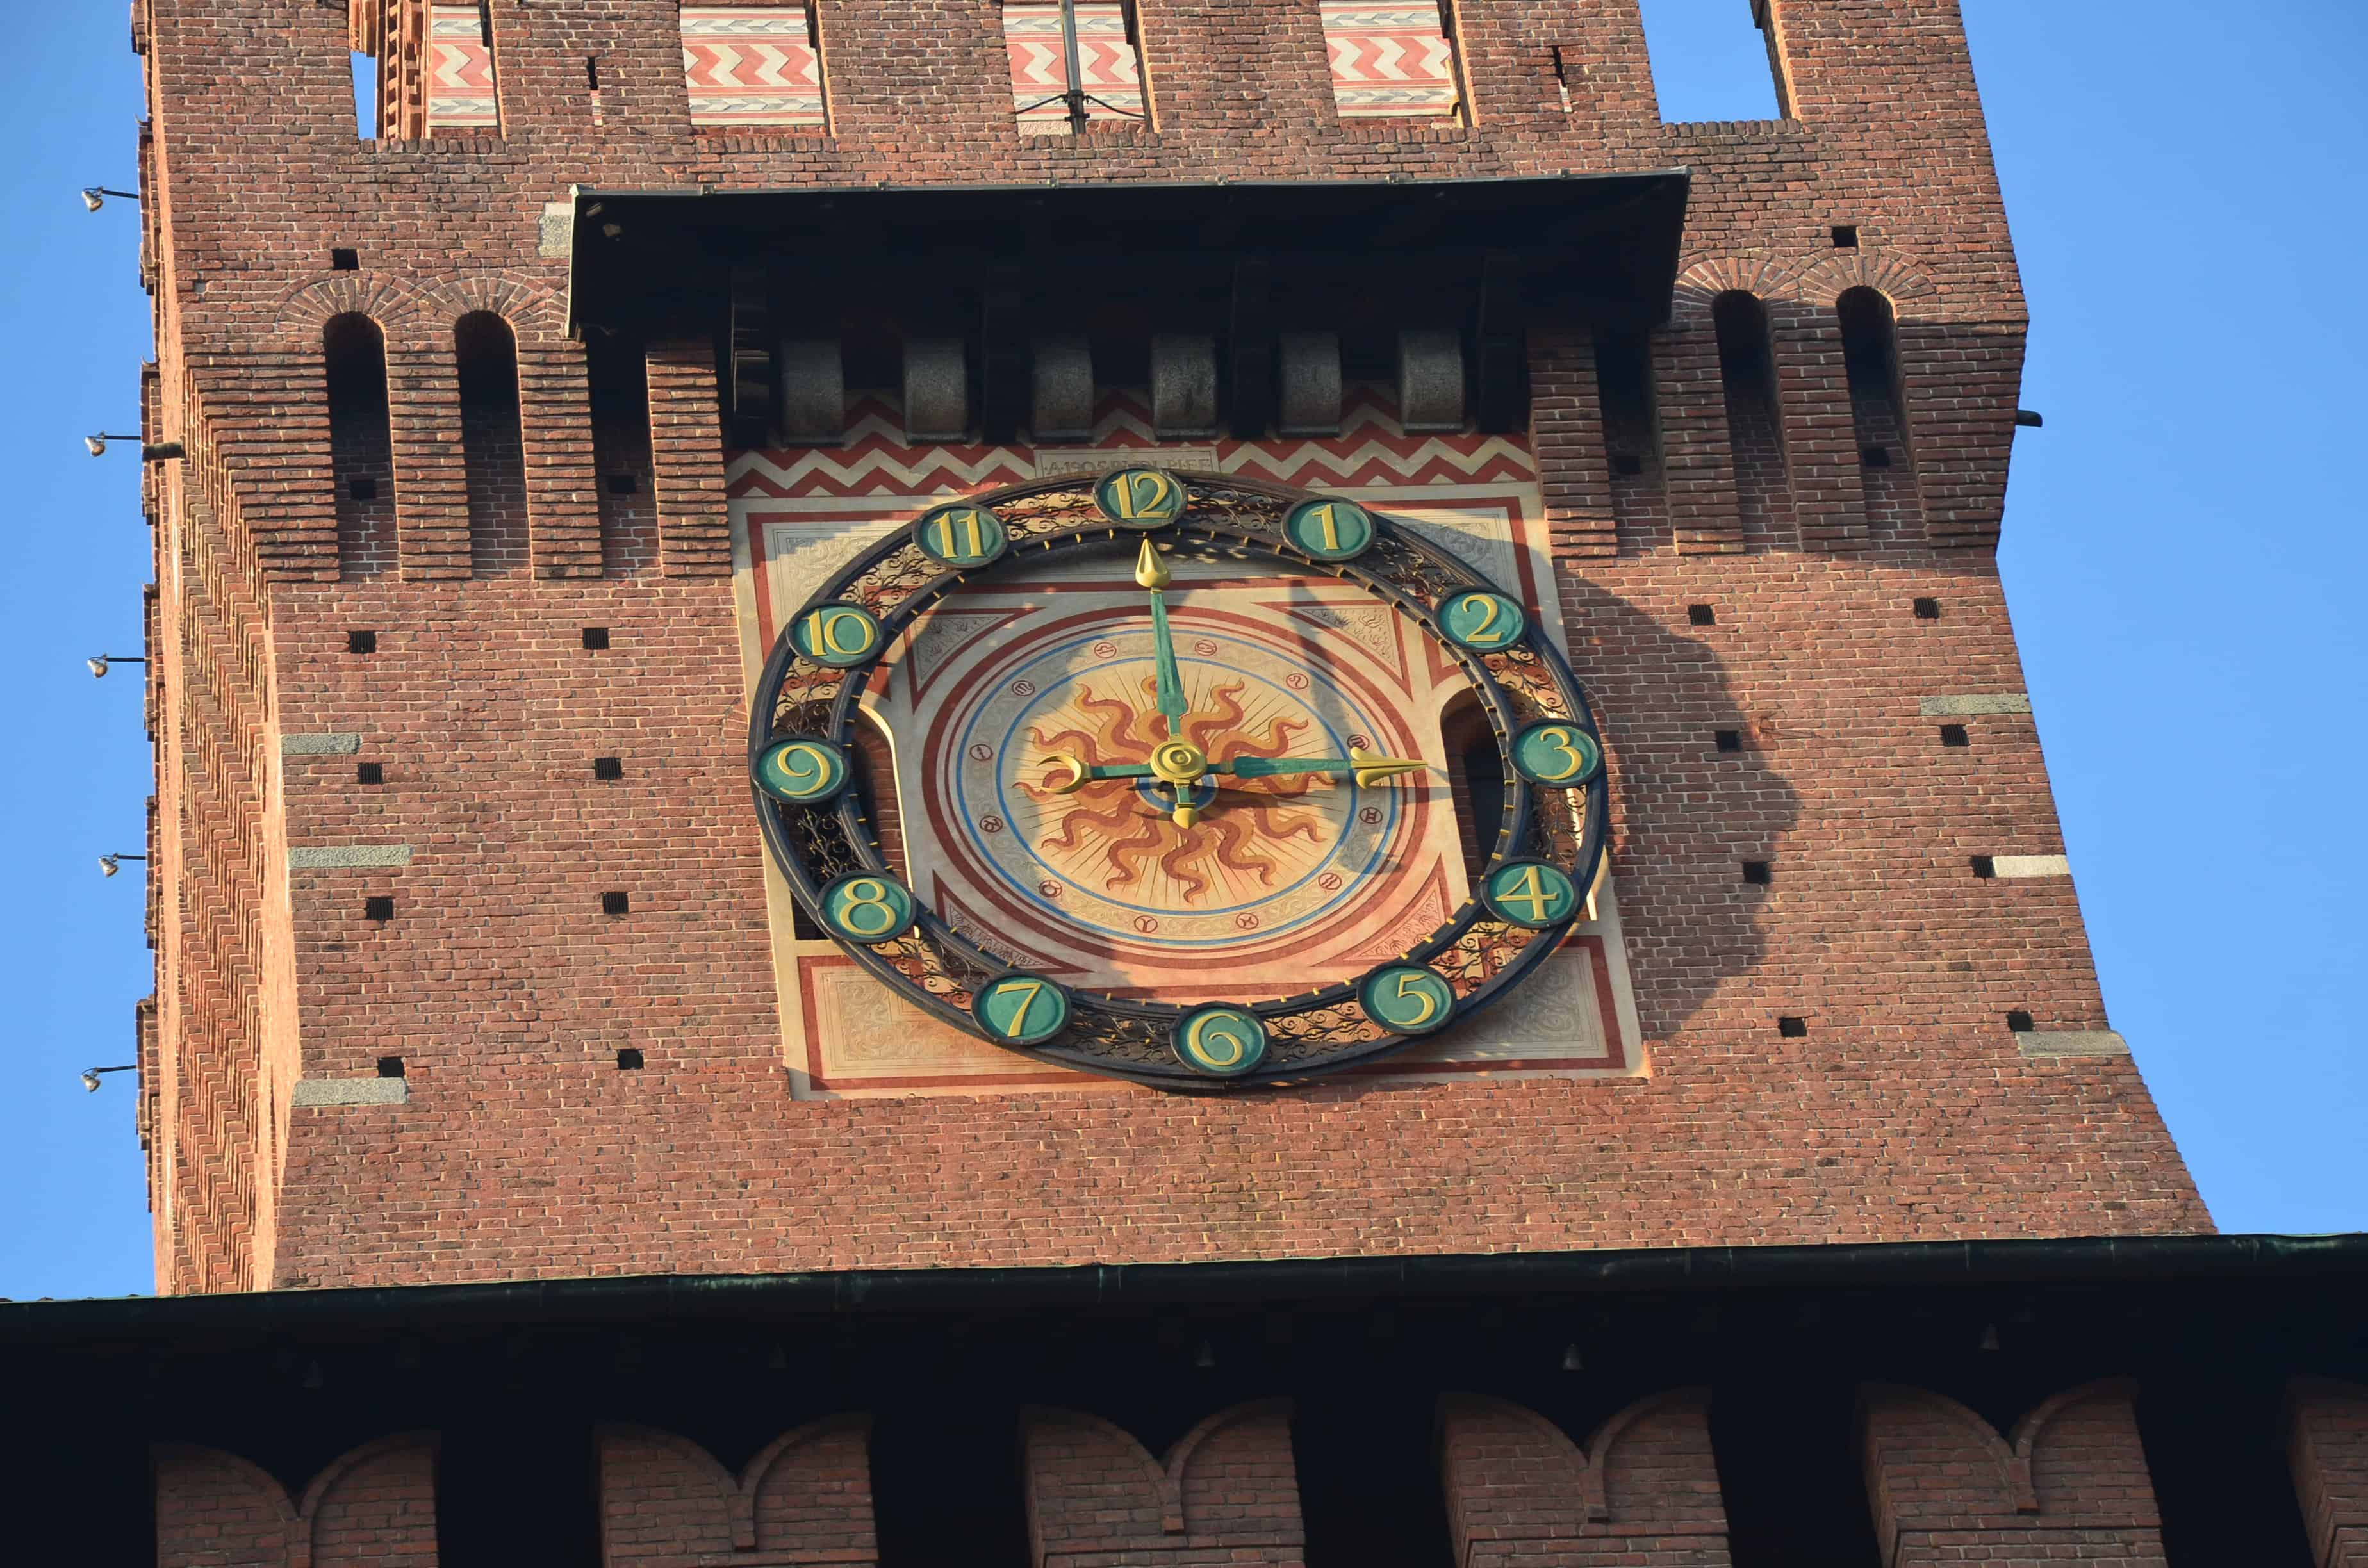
2185, 557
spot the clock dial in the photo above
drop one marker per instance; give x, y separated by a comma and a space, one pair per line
1168, 791
1287, 866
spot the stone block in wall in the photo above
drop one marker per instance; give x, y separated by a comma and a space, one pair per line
372, 1508
805, 1499
2070, 1485
1521, 1495
1228, 1490
2326, 1441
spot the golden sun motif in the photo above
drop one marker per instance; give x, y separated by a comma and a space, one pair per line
1231, 840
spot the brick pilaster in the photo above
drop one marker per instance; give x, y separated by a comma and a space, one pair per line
1821, 456
1566, 425
561, 486
2328, 1443
687, 454
431, 477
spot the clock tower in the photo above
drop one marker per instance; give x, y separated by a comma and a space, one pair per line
951, 638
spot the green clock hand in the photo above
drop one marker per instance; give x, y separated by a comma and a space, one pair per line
1359, 764
1152, 572
1185, 764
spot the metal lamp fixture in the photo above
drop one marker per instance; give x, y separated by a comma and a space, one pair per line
98, 663
109, 864
94, 196
90, 1074
150, 451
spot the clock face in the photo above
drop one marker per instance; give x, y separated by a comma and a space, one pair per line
1169, 777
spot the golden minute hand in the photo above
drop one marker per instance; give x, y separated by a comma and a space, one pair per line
1359, 764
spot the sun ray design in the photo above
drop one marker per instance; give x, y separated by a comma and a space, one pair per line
1232, 841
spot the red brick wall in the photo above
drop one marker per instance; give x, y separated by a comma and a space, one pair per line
805, 1497
2327, 1444
373, 1508
1521, 1495
2071, 1485
1908, 1110
1227, 1493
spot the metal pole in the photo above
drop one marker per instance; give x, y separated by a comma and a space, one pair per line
1076, 93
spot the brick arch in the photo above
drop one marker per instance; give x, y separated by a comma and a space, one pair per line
383, 298
361, 1508
1163, 1486
348, 1466
1938, 1414
758, 1512
1183, 1484
1681, 1413
1895, 275
183, 1486
2041, 1434
535, 314
1700, 282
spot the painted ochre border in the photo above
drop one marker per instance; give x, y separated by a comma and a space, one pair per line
861, 489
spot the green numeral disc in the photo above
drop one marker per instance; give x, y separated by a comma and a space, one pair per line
1020, 1009
839, 636
802, 771
1223, 1043
961, 535
1559, 754
867, 908
1530, 893
1141, 497
1481, 620
1407, 998
1330, 530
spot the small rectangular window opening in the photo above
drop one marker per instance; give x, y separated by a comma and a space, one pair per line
362, 489
1793, 1028
1702, 615
389, 1066
629, 1060
1846, 237
596, 638
616, 904
1955, 736
1874, 456
369, 773
361, 642
1729, 740
1985, 866
379, 907
1757, 873
607, 768
1710, 63
624, 484
2018, 1021
1627, 464
1928, 609
345, 258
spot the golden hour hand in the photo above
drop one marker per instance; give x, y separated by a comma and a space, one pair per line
1152, 572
